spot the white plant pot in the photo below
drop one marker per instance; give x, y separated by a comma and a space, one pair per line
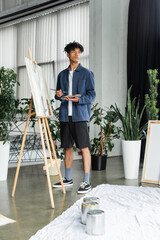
131, 158
4, 158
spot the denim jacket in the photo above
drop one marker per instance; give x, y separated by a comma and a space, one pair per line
82, 83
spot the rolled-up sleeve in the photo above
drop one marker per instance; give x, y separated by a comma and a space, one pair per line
90, 90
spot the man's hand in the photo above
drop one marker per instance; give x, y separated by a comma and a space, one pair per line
75, 99
59, 93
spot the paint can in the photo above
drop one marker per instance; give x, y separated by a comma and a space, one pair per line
95, 224
85, 207
91, 199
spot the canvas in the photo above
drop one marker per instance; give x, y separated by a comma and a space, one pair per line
151, 167
39, 89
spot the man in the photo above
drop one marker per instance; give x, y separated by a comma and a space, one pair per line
75, 113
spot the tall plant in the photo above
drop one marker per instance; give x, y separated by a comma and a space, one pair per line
7, 101
131, 121
151, 98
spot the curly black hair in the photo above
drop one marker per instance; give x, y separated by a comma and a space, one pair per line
72, 45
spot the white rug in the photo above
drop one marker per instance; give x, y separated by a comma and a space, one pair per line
132, 213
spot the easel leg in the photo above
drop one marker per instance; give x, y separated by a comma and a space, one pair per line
54, 153
46, 164
22, 147
48, 145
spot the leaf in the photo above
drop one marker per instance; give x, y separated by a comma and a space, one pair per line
131, 121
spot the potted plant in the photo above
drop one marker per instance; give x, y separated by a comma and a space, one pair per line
108, 131
7, 109
132, 132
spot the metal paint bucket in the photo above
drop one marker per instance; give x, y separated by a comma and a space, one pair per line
91, 199
95, 222
85, 207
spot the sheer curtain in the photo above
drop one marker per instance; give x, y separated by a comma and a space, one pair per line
74, 25
26, 37
8, 47
39, 35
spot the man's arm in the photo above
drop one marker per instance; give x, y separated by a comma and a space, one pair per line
59, 92
90, 91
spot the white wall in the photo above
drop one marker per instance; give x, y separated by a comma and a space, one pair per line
108, 53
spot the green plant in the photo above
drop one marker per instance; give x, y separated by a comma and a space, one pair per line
131, 121
22, 108
8, 81
151, 98
105, 119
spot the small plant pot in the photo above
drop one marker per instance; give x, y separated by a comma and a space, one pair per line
98, 162
53, 170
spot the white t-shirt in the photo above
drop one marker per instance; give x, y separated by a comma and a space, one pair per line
70, 92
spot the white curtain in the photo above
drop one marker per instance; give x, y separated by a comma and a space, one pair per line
26, 38
40, 36
74, 25
46, 36
8, 47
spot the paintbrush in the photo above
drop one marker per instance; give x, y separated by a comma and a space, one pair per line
56, 90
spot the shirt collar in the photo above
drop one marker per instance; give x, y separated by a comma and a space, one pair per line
77, 69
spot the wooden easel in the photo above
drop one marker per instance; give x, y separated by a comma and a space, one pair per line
42, 121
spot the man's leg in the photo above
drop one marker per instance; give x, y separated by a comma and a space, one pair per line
68, 163
83, 142
86, 163
67, 181
66, 142
85, 186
